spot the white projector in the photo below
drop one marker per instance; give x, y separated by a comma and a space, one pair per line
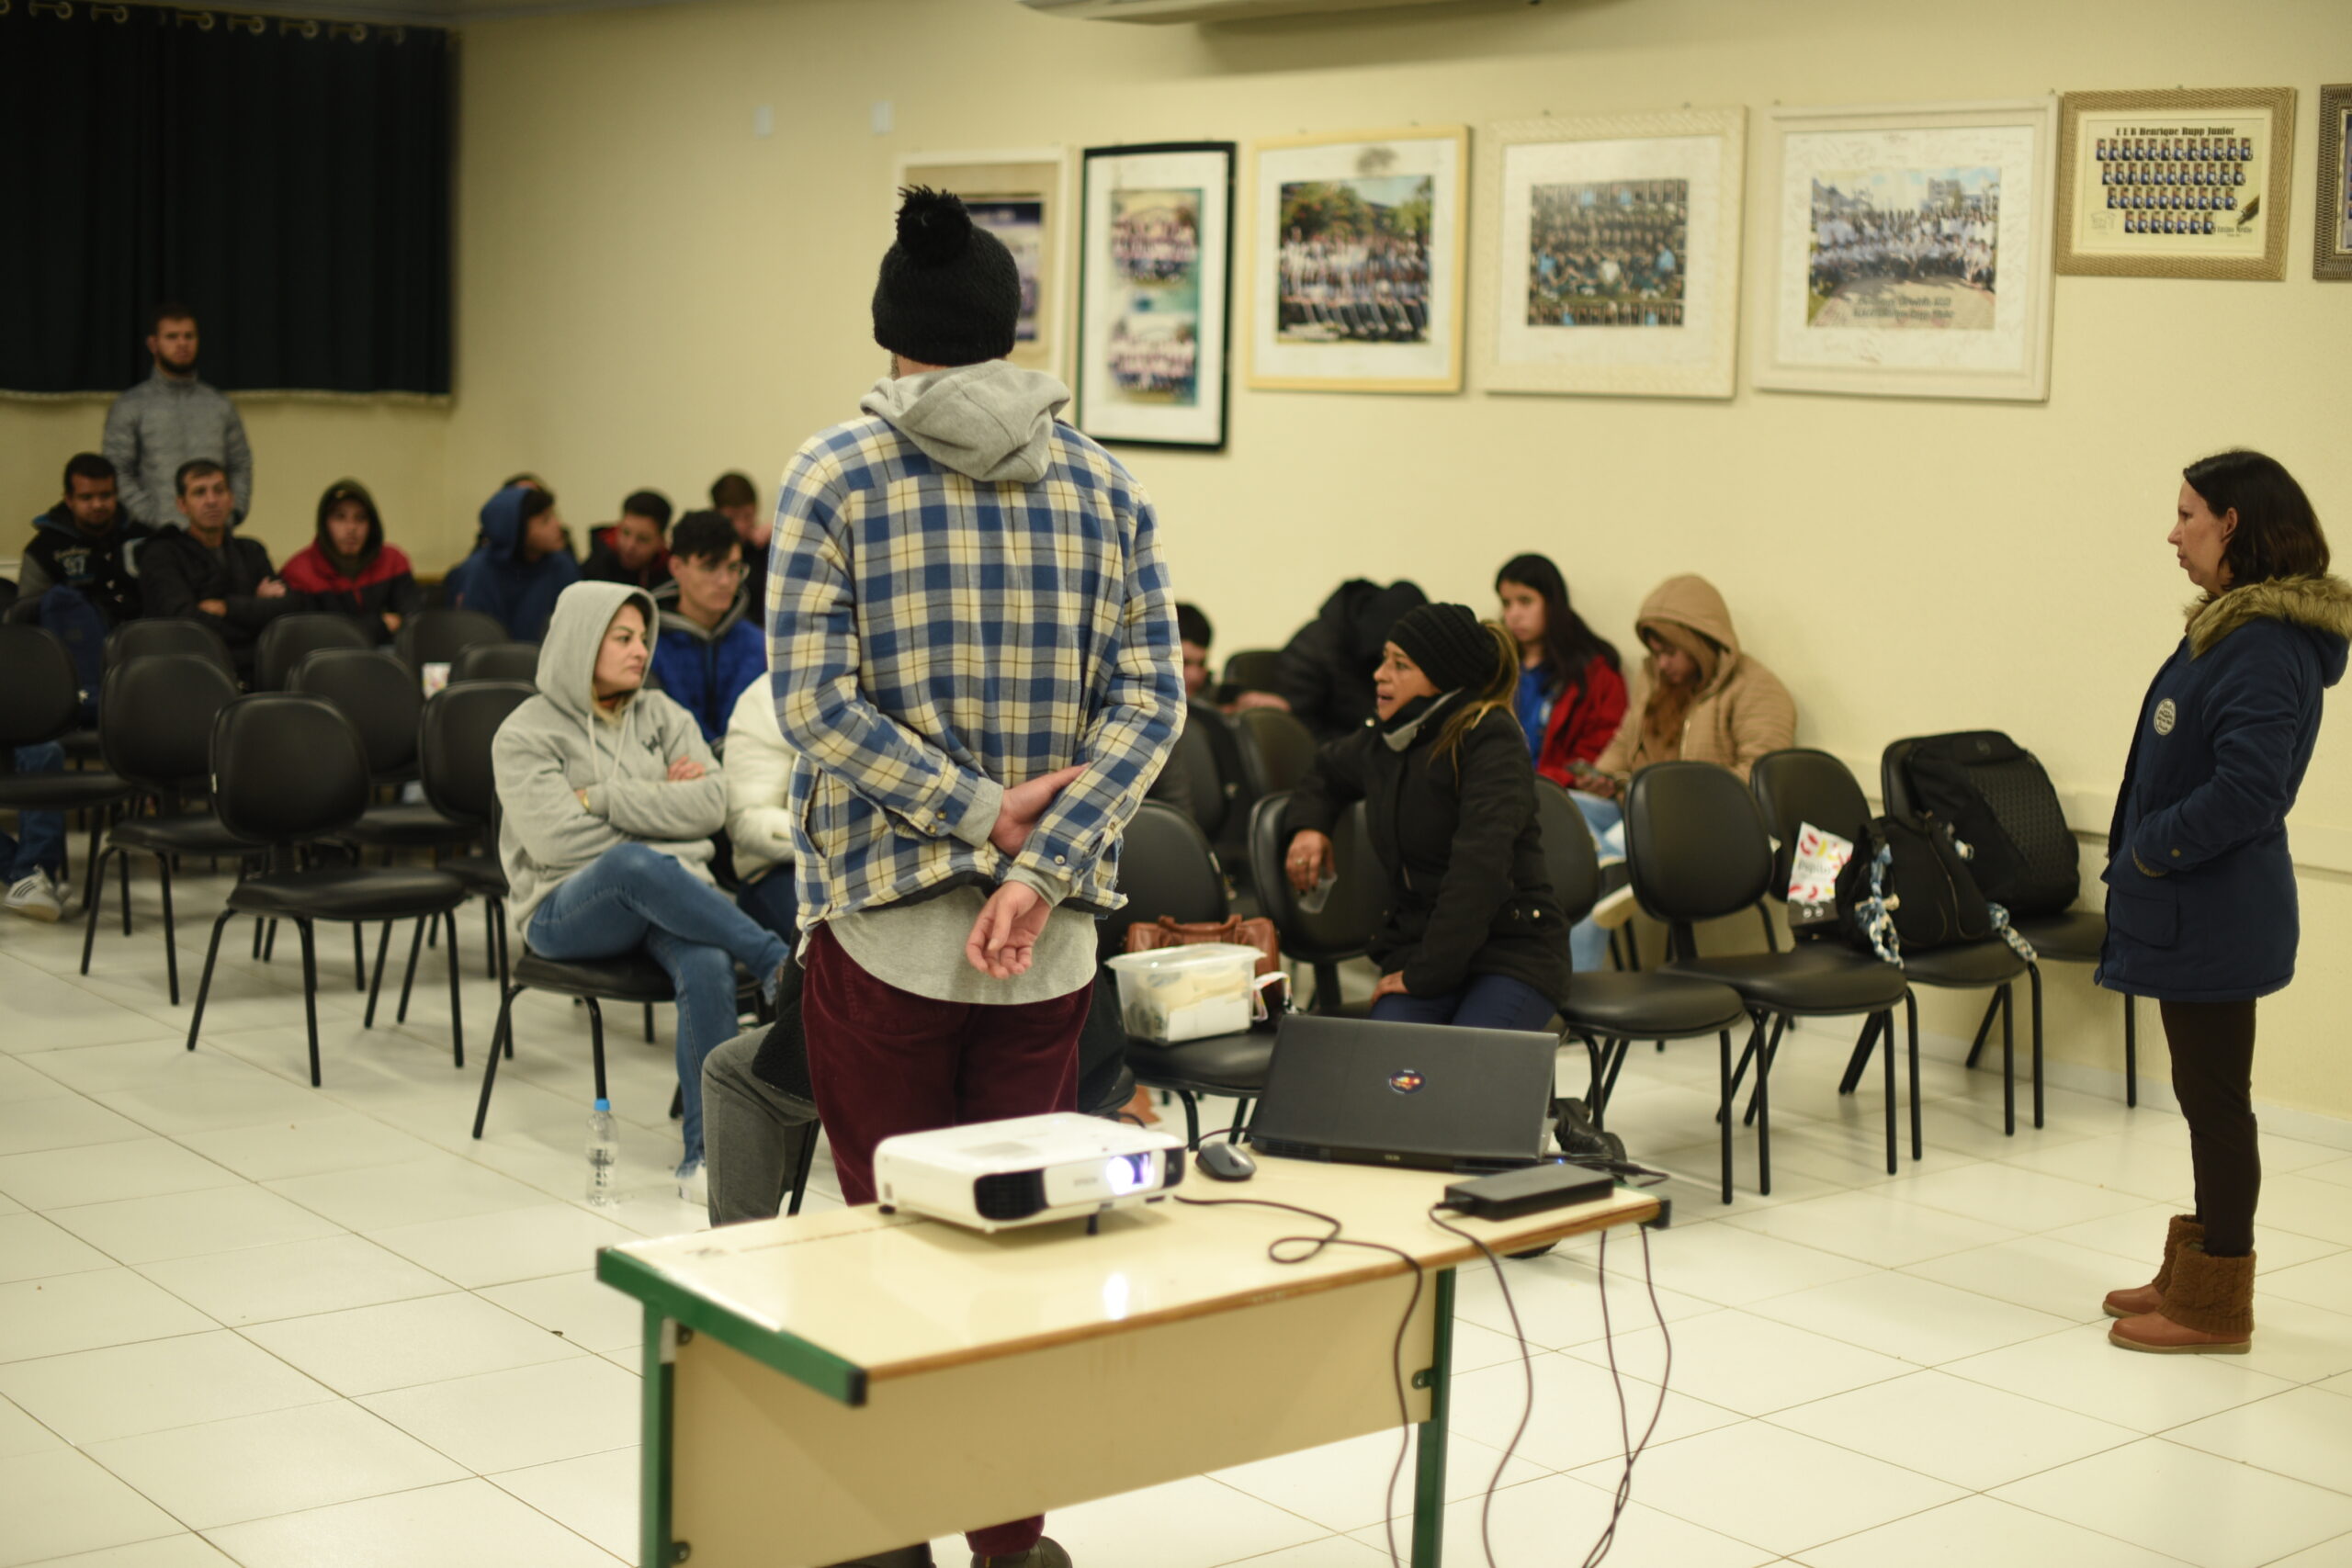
1025, 1171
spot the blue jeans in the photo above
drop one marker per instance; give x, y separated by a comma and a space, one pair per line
633, 896
1488, 1001
770, 901
41, 843
1587, 944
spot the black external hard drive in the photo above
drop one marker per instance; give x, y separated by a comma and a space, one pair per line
1528, 1191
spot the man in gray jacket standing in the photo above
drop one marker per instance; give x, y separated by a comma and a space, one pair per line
171, 418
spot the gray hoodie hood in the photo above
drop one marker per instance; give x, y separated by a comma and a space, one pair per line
991, 422
566, 674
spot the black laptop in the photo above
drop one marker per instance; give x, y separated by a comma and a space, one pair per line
1426, 1095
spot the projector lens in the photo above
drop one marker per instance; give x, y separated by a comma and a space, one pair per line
1125, 1174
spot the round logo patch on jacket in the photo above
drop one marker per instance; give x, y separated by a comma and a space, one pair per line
2167, 717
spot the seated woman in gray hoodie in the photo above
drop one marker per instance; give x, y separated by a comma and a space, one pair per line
610, 799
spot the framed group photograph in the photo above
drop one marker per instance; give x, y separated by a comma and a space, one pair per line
1355, 279
1022, 199
1155, 286
1612, 253
1910, 249
2332, 247
2187, 183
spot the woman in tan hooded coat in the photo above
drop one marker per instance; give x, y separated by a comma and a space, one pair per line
1697, 696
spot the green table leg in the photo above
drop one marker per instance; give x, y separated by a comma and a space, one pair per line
1429, 1479
659, 1441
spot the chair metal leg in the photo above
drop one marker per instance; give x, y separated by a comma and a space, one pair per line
489, 938
90, 869
171, 934
2008, 1067
1191, 1119
596, 1045
2131, 1051
359, 960
311, 990
1911, 1013
211, 952
258, 923
1984, 1029
678, 1103
801, 1167
1886, 1021
2033, 977
270, 943
90, 913
489, 1068
415, 944
383, 945
1861, 1056
1760, 1107
1763, 1060
122, 864
1723, 1111
457, 1008
1240, 1120
505, 969
1623, 1048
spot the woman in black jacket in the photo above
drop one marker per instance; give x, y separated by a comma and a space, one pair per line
2201, 887
1473, 934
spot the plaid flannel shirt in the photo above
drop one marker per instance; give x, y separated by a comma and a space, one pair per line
932, 638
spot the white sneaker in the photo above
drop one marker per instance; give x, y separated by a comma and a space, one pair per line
36, 898
694, 1184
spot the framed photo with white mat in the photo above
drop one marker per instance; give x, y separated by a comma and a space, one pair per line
1022, 197
1154, 292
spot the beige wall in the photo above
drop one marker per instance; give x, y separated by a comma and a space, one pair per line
648, 294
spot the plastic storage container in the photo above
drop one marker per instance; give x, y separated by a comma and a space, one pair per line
1173, 994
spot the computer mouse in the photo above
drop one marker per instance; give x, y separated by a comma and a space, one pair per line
1223, 1162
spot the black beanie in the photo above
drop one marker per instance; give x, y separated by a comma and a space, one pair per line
949, 292
1446, 640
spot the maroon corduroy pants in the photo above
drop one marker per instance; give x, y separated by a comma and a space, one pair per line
884, 1061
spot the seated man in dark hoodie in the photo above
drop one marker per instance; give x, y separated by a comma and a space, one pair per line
632, 551
711, 645
1325, 676
202, 571
523, 566
349, 569
84, 542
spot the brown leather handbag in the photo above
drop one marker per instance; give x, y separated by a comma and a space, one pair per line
1168, 932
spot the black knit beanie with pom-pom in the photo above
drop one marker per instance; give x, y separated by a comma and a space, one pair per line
949, 292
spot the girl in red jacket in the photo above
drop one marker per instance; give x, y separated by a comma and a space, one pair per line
1571, 697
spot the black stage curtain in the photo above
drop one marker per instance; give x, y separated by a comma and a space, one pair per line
288, 180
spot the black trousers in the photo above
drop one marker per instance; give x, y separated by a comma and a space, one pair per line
2212, 1076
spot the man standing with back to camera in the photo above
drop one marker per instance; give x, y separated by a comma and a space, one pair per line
973, 654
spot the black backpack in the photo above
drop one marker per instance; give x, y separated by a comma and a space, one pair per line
1998, 800
1908, 886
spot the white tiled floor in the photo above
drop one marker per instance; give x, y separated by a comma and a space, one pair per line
246, 1321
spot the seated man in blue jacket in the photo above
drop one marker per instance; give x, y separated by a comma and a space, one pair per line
523, 564
710, 645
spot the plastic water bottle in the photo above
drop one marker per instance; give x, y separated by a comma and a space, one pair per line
603, 1154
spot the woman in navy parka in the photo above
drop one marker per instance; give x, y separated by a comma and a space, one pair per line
2201, 888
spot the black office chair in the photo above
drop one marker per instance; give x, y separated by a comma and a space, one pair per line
453, 756
437, 636
1700, 850
1351, 916
1253, 669
1608, 1009
1166, 867
40, 700
633, 978
1204, 782
288, 769
288, 639
155, 727
496, 661
145, 639
1277, 750
1801, 786
2064, 936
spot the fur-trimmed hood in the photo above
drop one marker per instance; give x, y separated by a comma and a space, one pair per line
2321, 605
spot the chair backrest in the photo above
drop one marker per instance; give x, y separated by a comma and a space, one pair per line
1343, 928
1277, 750
40, 697
437, 636
1895, 780
1695, 842
496, 661
377, 694
286, 766
1569, 858
287, 639
156, 717
1801, 786
454, 740
1252, 669
1204, 782
1166, 867
146, 640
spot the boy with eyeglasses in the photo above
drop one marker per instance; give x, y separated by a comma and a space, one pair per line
711, 646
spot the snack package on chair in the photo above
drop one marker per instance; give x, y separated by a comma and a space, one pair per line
1813, 877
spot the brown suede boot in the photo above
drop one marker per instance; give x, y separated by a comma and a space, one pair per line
2150, 1298
2208, 1309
